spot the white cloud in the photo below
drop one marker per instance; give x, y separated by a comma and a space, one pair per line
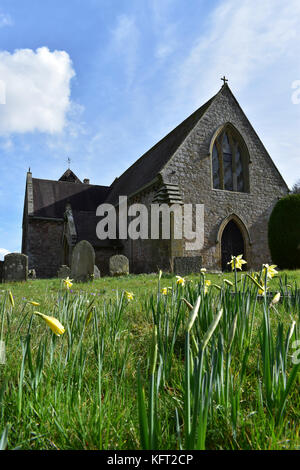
241, 40
37, 85
5, 20
3, 252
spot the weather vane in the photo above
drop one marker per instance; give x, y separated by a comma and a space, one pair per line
224, 80
69, 161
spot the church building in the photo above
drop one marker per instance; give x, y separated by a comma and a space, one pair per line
214, 158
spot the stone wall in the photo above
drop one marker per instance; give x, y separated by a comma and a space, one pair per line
43, 246
147, 256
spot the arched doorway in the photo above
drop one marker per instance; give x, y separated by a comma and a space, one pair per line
232, 243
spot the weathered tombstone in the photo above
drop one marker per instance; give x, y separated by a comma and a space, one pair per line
15, 267
184, 265
83, 262
118, 265
64, 272
1, 270
97, 273
31, 274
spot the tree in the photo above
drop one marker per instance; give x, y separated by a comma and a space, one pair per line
284, 232
296, 188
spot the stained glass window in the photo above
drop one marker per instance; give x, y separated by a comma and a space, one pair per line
228, 162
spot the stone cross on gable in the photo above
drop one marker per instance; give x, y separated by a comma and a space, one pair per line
224, 80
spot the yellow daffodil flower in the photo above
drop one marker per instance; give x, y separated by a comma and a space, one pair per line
53, 323
203, 270
229, 283
262, 291
275, 299
129, 295
237, 262
11, 299
159, 274
180, 281
270, 270
164, 290
35, 304
207, 283
68, 282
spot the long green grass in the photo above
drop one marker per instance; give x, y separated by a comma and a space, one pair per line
211, 367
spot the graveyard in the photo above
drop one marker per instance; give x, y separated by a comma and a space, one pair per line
108, 368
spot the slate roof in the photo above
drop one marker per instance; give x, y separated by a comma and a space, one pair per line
50, 197
147, 167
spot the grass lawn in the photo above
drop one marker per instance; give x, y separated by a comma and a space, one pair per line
150, 372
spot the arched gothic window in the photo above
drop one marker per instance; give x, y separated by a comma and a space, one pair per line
230, 162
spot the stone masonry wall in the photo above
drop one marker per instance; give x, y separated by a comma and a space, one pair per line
190, 168
147, 256
44, 247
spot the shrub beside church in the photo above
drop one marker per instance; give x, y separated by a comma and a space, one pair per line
284, 232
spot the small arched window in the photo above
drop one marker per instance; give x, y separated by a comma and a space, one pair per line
230, 162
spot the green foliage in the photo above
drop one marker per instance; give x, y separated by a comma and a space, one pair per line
284, 232
192, 369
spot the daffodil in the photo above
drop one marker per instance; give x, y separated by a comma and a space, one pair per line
237, 262
262, 291
275, 299
11, 299
207, 283
129, 295
203, 270
159, 274
270, 270
68, 282
164, 290
229, 283
53, 323
35, 304
180, 280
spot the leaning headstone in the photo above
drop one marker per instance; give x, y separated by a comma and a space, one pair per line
1, 270
118, 265
15, 267
83, 262
184, 265
97, 273
64, 272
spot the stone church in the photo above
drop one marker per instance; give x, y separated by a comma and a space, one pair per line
214, 158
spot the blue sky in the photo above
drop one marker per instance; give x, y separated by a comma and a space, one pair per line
101, 81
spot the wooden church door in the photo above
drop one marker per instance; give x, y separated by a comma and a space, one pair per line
232, 244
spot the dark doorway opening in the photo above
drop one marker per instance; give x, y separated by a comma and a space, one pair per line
232, 244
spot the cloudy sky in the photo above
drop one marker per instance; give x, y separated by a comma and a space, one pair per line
101, 81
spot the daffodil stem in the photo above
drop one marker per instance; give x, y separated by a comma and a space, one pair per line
235, 277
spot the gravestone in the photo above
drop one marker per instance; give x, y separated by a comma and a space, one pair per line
64, 272
97, 273
1, 270
83, 262
15, 267
118, 265
184, 265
